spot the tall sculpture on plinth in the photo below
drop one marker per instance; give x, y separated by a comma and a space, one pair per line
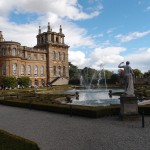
128, 101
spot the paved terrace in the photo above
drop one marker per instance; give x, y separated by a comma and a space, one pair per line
61, 132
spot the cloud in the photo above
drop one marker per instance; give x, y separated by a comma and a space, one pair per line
64, 8
110, 57
148, 8
140, 60
107, 42
56, 12
132, 36
78, 58
101, 55
107, 55
110, 30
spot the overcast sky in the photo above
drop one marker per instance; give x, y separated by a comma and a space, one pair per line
97, 31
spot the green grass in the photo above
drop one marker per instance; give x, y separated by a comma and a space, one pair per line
12, 142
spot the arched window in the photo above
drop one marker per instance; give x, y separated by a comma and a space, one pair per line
54, 55
35, 70
58, 55
22, 69
14, 69
3, 69
29, 70
59, 71
14, 52
63, 56
42, 70
64, 71
54, 70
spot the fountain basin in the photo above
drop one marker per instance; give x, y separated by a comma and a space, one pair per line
95, 97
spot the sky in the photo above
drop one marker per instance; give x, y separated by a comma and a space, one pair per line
98, 31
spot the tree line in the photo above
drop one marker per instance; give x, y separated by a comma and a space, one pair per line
93, 76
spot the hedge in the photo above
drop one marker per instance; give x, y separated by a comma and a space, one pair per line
12, 142
86, 111
145, 109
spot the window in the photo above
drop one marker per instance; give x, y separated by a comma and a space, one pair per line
42, 57
4, 52
59, 71
36, 83
54, 55
29, 70
29, 56
57, 39
42, 82
3, 69
14, 52
22, 69
14, 69
63, 56
35, 70
35, 56
64, 71
58, 55
54, 70
42, 70
61, 40
22, 55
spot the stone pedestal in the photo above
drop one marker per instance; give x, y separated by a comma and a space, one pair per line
128, 107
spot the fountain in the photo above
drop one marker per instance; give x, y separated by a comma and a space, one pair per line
94, 96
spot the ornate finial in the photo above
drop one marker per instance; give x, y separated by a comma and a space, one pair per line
60, 30
48, 27
39, 29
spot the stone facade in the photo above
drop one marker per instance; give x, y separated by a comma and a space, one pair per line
44, 63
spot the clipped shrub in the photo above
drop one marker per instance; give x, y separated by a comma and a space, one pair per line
87, 111
12, 142
145, 109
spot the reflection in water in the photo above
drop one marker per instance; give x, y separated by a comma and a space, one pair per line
95, 97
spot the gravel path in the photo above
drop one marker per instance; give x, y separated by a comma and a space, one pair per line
61, 132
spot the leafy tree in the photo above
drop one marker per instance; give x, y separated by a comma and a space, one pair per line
121, 73
74, 74
115, 78
9, 82
89, 74
73, 71
24, 81
147, 74
137, 73
108, 74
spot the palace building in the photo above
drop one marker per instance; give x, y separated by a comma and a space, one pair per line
45, 63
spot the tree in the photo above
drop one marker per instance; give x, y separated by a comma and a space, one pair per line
89, 74
108, 74
147, 74
24, 81
115, 78
137, 73
9, 82
74, 74
73, 71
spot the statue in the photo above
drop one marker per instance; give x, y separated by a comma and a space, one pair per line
128, 78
